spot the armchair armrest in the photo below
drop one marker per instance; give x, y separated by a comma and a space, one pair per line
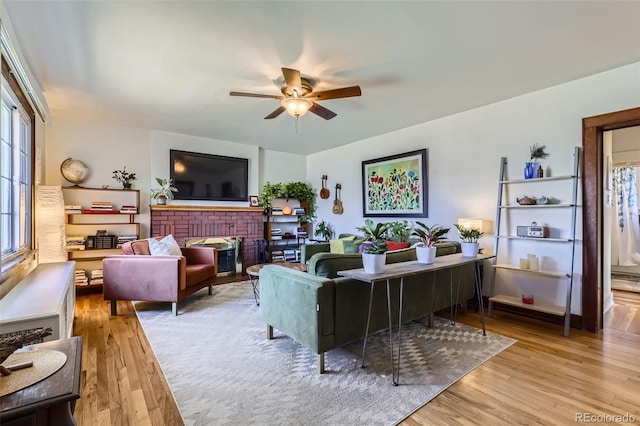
308, 250
200, 256
158, 278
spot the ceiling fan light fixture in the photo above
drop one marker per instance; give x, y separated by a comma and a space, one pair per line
296, 107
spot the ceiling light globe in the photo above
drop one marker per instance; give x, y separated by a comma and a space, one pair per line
296, 107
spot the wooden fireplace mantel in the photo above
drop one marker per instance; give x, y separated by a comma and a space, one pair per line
205, 208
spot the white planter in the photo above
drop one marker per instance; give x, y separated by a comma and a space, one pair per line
470, 249
426, 255
373, 263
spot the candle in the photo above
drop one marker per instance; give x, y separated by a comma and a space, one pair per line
533, 263
524, 263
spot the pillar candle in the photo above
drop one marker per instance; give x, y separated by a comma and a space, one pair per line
524, 263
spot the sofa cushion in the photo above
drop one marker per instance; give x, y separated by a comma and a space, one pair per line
164, 247
396, 245
138, 247
339, 245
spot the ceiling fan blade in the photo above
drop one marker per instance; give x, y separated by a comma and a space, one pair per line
292, 79
275, 113
322, 111
345, 92
255, 95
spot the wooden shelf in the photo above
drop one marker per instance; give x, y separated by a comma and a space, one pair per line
537, 180
88, 288
535, 206
533, 271
553, 240
545, 307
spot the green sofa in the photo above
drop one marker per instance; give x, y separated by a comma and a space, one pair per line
323, 311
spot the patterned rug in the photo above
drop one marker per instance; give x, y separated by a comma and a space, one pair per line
222, 370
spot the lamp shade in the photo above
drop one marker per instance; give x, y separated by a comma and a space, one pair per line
296, 107
50, 227
471, 223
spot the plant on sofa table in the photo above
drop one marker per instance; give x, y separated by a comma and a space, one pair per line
429, 236
375, 247
124, 177
164, 192
399, 231
469, 237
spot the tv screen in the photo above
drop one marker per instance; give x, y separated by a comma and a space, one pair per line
209, 177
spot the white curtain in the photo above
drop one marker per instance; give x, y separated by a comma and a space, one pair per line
625, 244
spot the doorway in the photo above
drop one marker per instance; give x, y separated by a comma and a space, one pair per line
593, 129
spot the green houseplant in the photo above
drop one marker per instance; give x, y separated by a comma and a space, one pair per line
375, 247
164, 192
323, 229
469, 237
124, 177
429, 236
300, 190
399, 231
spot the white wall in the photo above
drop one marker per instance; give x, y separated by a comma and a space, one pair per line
465, 150
278, 166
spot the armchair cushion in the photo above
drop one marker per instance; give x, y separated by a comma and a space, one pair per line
164, 247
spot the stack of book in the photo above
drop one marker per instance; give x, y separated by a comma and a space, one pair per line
276, 211
129, 209
75, 243
277, 256
289, 255
301, 232
299, 211
276, 233
81, 277
72, 209
125, 238
96, 276
100, 207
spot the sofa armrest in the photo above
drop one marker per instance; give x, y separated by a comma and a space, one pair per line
156, 278
308, 250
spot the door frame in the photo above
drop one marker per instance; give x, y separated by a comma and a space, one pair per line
592, 175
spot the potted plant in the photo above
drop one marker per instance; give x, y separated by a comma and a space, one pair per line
124, 177
398, 233
164, 192
323, 229
469, 236
536, 153
300, 190
429, 236
375, 247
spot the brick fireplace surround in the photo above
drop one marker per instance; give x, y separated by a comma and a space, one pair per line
210, 221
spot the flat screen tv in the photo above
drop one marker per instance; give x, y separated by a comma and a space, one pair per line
209, 177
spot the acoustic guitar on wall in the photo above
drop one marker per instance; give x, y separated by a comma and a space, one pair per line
337, 203
324, 192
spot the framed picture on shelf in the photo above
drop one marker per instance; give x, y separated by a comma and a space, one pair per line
395, 185
253, 201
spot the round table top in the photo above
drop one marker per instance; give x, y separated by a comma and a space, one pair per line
254, 270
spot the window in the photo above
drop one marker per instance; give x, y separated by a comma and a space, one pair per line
15, 176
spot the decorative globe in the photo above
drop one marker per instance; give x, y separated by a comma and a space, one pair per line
75, 171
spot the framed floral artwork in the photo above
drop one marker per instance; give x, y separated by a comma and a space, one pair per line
395, 185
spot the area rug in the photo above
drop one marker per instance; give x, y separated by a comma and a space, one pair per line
222, 370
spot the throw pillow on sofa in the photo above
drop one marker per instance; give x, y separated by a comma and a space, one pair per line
343, 245
164, 247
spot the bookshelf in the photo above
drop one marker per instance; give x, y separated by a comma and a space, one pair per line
283, 232
97, 222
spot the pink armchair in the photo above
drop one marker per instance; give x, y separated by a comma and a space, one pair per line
136, 275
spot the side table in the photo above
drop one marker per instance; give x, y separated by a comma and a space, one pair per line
254, 275
50, 401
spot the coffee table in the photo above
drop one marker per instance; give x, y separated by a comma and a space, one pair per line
254, 275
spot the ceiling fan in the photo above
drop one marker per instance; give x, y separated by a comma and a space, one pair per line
298, 96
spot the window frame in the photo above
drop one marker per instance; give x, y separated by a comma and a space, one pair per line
23, 252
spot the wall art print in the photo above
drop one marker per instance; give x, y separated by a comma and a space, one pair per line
395, 185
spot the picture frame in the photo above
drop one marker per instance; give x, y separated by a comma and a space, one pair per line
253, 201
395, 185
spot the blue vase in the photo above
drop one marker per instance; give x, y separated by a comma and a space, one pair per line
529, 170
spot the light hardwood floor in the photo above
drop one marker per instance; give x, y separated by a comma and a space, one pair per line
542, 379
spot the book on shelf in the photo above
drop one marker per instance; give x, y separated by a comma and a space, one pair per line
74, 247
81, 277
100, 211
96, 273
129, 209
299, 211
72, 209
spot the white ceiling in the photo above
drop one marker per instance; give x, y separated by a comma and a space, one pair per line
169, 65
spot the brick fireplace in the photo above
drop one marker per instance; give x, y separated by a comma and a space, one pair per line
187, 222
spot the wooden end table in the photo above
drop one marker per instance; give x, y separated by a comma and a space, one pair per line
254, 275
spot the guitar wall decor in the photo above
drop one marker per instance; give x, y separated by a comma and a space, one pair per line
337, 203
324, 192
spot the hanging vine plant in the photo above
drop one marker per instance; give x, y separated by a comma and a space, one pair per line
300, 190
